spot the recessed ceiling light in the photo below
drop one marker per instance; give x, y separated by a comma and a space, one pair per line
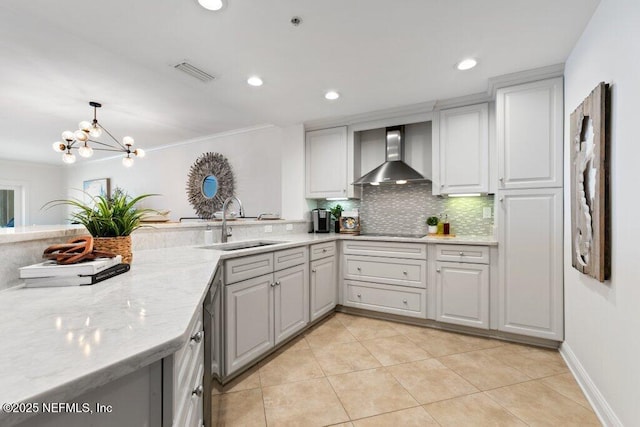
466, 64
254, 81
211, 4
332, 95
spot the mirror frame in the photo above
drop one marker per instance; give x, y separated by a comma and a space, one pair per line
209, 164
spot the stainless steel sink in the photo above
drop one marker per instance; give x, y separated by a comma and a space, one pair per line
235, 246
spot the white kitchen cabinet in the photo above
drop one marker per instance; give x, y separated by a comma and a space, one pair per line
326, 163
529, 130
386, 298
393, 281
249, 321
262, 312
291, 301
323, 286
461, 150
462, 294
183, 380
530, 262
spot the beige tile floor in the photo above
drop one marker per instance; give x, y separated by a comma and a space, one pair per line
356, 371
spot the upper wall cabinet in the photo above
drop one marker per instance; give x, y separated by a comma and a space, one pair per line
529, 135
326, 163
461, 150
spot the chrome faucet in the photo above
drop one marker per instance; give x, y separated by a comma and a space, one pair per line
226, 231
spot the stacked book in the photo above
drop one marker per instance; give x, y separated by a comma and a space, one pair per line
49, 273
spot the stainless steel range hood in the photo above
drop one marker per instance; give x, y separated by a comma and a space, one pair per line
394, 170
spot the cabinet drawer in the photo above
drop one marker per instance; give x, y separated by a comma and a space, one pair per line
385, 249
322, 250
190, 411
463, 253
290, 257
238, 269
386, 298
393, 271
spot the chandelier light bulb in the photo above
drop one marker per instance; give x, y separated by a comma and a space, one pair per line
95, 131
139, 152
85, 151
67, 135
127, 162
59, 147
127, 140
84, 125
81, 136
68, 158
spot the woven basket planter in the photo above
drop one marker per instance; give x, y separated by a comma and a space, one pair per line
118, 245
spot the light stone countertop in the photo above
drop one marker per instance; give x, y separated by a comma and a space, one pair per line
58, 343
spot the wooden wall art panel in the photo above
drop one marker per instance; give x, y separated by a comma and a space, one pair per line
590, 185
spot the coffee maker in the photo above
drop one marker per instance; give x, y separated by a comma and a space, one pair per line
321, 220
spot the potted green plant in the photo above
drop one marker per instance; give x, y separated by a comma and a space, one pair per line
110, 220
432, 222
336, 211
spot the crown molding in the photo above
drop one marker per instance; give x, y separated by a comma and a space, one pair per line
542, 73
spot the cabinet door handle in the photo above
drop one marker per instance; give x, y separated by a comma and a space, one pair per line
272, 285
501, 199
438, 270
313, 271
197, 337
501, 179
198, 391
278, 283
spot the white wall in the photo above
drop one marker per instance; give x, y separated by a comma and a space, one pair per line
603, 320
42, 183
254, 155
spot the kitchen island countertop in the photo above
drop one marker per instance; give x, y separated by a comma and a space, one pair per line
61, 342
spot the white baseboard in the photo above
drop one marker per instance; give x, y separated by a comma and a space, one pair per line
596, 399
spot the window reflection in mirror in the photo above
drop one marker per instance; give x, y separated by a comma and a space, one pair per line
209, 186
7, 203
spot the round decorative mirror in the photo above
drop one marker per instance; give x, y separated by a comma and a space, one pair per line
209, 184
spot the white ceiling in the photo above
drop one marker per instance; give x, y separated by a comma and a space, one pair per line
57, 56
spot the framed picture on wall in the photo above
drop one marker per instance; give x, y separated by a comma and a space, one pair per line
96, 187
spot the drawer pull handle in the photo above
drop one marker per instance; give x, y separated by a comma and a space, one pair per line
438, 270
324, 250
198, 391
313, 271
359, 269
404, 272
461, 253
197, 337
359, 295
404, 301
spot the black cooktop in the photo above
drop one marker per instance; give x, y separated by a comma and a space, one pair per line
416, 236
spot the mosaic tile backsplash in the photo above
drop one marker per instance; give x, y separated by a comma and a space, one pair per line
405, 208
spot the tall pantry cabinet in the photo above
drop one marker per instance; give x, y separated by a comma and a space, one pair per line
529, 129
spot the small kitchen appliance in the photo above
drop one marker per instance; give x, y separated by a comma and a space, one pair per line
321, 220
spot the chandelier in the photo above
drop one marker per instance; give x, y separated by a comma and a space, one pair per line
81, 138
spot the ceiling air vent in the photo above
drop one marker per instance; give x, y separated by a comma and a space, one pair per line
194, 72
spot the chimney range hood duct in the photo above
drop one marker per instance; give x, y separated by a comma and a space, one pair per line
394, 170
